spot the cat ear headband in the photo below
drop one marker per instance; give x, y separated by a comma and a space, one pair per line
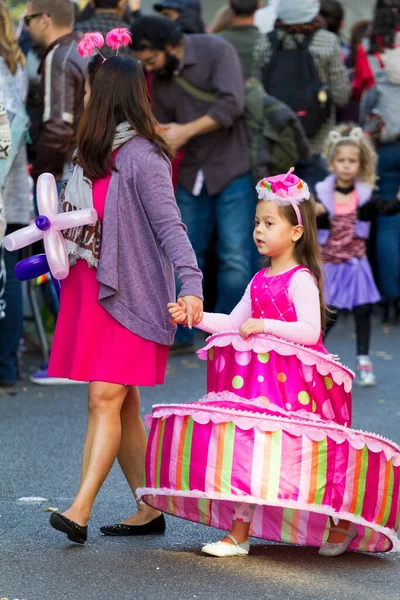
335, 137
115, 39
284, 190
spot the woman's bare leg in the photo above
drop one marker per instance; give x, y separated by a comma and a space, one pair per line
101, 449
132, 453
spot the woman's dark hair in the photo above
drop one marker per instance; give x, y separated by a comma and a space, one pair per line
386, 22
155, 33
333, 14
118, 93
360, 30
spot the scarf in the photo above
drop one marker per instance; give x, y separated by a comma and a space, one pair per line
85, 242
302, 28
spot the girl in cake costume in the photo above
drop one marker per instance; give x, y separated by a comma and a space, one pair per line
268, 451
347, 203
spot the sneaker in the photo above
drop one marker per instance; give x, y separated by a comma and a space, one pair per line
365, 376
41, 378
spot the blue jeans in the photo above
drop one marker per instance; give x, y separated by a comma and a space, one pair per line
11, 325
388, 228
231, 211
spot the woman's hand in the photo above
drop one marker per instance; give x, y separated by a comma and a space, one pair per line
251, 326
178, 312
319, 209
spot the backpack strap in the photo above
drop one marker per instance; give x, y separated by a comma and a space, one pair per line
194, 91
274, 40
305, 44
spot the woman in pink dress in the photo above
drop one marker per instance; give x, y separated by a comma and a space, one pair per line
113, 328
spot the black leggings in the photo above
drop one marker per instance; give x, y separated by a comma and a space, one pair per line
362, 317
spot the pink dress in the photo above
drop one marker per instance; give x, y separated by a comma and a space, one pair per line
89, 344
273, 433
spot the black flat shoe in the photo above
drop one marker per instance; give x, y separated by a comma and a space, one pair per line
155, 526
75, 533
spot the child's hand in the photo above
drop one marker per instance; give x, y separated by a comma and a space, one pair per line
251, 326
178, 312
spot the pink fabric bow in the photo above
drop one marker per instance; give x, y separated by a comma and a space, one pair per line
282, 185
89, 43
116, 38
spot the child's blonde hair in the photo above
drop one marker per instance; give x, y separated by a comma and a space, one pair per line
349, 134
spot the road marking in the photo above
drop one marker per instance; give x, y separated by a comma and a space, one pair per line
32, 500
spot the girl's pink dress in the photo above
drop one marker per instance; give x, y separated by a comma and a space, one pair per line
273, 432
89, 344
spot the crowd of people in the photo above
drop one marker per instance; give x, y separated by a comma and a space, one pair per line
231, 109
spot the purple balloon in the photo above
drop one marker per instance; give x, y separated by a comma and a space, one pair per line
32, 267
43, 223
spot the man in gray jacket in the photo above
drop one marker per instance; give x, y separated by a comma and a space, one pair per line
50, 24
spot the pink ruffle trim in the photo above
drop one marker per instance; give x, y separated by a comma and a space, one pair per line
294, 504
326, 364
293, 423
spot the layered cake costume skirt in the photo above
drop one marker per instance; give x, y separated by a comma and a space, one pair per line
273, 430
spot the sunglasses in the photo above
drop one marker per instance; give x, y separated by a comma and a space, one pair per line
28, 18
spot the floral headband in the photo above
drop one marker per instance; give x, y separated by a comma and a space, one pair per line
355, 135
115, 39
284, 190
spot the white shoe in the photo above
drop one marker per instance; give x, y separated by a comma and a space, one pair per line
330, 549
224, 550
365, 376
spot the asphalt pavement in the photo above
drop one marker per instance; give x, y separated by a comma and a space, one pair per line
41, 435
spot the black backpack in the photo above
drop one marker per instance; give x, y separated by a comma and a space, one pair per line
292, 77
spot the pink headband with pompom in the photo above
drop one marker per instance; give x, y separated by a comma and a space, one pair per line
115, 39
284, 190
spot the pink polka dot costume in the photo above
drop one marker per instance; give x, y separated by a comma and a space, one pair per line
272, 434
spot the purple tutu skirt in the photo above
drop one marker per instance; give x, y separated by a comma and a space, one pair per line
349, 284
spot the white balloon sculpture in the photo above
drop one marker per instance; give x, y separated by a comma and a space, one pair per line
48, 226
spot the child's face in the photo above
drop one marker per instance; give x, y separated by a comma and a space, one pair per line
346, 164
273, 234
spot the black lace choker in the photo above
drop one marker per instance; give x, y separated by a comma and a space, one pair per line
344, 190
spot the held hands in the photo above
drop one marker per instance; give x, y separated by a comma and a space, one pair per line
187, 311
251, 326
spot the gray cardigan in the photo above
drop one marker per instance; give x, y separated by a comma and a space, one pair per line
143, 242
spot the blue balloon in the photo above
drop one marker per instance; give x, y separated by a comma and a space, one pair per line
32, 267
